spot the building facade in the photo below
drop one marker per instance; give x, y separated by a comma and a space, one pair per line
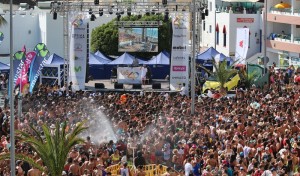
220, 26
283, 32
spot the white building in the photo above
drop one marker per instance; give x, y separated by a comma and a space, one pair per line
283, 31
34, 26
219, 27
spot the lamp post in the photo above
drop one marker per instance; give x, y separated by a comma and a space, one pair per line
265, 35
193, 60
11, 97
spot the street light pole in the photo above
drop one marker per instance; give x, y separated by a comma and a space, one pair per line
11, 96
265, 36
193, 83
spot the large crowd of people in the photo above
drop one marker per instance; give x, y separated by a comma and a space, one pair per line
255, 132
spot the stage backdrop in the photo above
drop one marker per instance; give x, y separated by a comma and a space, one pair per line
131, 75
78, 51
242, 44
179, 73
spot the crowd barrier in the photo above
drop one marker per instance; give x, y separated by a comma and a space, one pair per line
150, 170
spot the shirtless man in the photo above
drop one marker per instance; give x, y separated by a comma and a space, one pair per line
75, 168
34, 172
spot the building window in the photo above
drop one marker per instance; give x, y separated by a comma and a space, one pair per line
210, 6
210, 29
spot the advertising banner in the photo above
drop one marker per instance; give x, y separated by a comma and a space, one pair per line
242, 44
131, 75
23, 78
179, 73
78, 52
37, 65
18, 63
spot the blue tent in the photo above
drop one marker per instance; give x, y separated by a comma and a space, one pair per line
54, 60
208, 54
124, 59
4, 68
97, 68
96, 60
159, 65
160, 59
102, 56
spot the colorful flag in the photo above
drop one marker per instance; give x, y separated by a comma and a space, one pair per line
24, 49
23, 78
37, 66
242, 44
18, 63
37, 48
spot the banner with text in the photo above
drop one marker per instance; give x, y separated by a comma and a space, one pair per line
131, 75
23, 78
36, 67
78, 51
179, 72
242, 44
18, 63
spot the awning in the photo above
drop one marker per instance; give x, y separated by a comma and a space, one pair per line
240, 0
282, 5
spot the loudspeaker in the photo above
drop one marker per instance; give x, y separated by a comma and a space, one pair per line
118, 86
99, 86
156, 86
136, 86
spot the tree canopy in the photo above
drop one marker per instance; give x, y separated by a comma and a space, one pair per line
105, 38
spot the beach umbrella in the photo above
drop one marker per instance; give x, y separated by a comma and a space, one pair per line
282, 5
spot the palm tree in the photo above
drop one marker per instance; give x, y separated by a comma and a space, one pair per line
222, 73
51, 147
2, 21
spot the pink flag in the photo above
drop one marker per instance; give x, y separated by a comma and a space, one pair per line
23, 78
24, 49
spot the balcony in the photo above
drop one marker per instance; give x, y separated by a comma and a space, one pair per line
284, 18
284, 42
237, 10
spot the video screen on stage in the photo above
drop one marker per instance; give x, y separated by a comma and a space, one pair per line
138, 40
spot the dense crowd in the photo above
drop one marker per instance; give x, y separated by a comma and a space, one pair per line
255, 132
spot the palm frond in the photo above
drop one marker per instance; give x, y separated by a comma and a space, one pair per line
23, 157
2, 21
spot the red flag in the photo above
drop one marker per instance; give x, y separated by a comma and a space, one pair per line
23, 78
24, 49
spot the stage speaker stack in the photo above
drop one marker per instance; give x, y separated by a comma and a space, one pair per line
136, 86
118, 86
156, 86
99, 86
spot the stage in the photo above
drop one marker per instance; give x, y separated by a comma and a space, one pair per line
110, 87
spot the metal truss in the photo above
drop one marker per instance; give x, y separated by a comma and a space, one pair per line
138, 23
138, 7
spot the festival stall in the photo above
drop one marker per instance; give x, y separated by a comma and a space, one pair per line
4, 68
97, 68
52, 73
159, 65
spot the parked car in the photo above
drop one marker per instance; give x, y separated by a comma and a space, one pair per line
212, 83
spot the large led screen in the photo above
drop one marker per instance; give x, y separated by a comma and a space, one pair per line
138, 39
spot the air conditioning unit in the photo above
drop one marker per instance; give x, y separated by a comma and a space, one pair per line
44, 5
24, 6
